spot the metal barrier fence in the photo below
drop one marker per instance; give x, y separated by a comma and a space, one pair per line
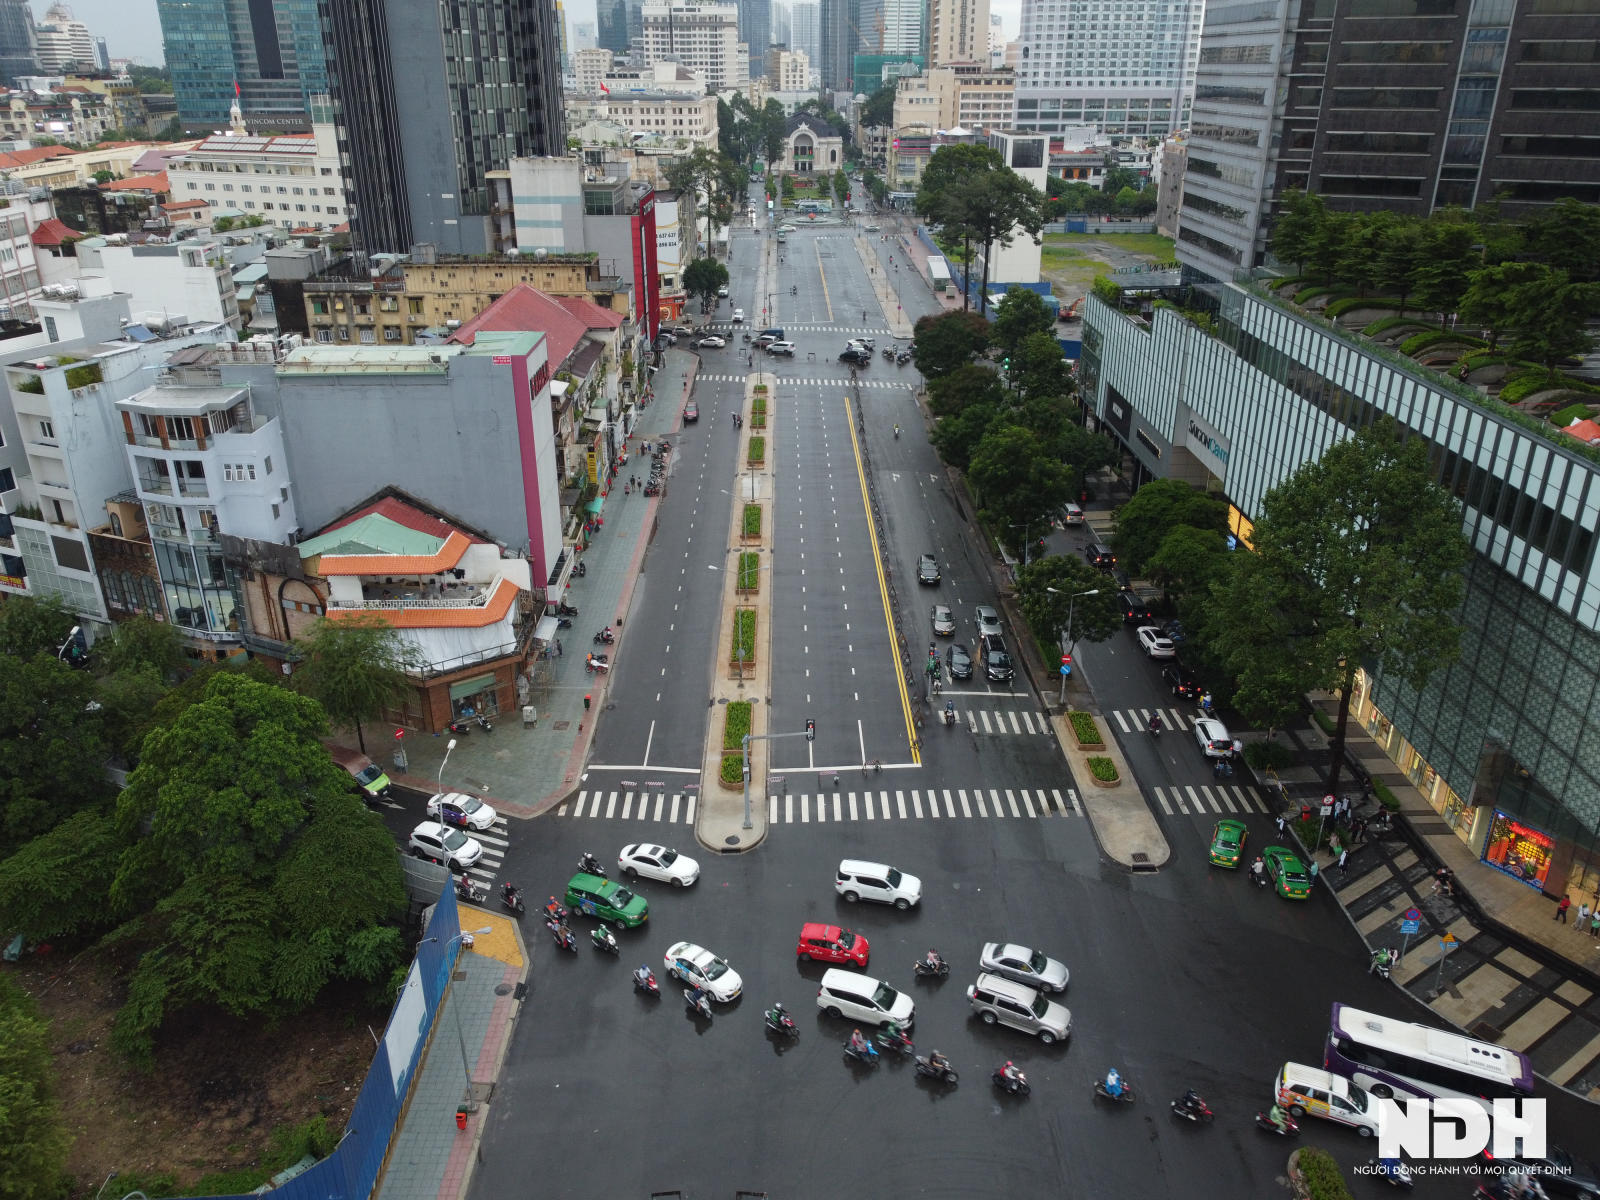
351, 1171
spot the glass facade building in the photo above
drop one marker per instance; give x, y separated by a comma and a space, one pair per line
1497, 740
272, 49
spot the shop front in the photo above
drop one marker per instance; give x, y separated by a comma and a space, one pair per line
1519, 850
475, 697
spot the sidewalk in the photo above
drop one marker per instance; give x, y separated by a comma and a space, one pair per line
429, 1157
525, 770
1515, 977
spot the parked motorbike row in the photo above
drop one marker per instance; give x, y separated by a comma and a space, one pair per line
461, 727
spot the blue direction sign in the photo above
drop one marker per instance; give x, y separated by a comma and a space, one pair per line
1408, 926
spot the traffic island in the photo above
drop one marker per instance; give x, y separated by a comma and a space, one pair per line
742, 650
1122, 821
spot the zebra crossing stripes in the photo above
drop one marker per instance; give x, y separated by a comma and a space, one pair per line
1137, 720
1006, 721
788, 381
1210, 800
822, 808
494, 841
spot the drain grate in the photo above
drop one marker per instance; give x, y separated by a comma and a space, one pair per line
1142, 864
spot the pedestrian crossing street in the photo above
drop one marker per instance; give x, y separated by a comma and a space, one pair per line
790, 381
839, 807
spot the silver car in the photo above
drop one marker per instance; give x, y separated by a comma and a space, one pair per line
988, 620
1024, 965
944, 621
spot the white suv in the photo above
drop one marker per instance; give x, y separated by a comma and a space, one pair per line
859, 880
449, 847
1213, 738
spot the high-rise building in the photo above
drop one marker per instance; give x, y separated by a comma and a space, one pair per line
430, 106
621, 23
780, 24
838, 25
755, 31
1409, 113
958, 31
64, 42
583, 36
1126, 66
702, 37
997, 40
787, 70
805, 32
271, 49
19, 51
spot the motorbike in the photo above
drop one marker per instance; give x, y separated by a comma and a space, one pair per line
485, 724
943, 1074
888, 352
563, 938
604, 637
949, 714
590, 865
466, 891
700, 1007
894, 1041
603, 939
868, 1056
1155, 727
1125, 1096
564, 609
596, 663
644, 980
1260, 878
554, 912
1383, 960
925, 967
902, 358
780, 1021
1392, 1171
1290, 1128
459, 728
1015, 1082
581, 570
563, 622
511, 899
1196, 1110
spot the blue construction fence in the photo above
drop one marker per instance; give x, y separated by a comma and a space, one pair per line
351, 1171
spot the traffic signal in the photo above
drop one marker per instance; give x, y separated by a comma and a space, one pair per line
811, 731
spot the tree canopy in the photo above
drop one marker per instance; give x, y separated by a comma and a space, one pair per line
356, 669
33, 1142
942, 343
1094, 618
704, 277
1020, 313
1155, 510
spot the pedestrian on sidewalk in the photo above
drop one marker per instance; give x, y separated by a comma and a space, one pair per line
1561, 909
558, 647
1583, 916
1344, 863
1594, 924
1283, 824
1313, 869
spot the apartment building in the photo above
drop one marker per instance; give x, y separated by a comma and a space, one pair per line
958, 31
788, 70
702, 37
185, 281
968, 95
687, 121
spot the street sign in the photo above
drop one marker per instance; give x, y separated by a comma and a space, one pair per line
1327, 806
1413, 914
1408, 927
1447, 942
1066, 668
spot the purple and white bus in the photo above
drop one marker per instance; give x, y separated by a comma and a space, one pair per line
1393, 1058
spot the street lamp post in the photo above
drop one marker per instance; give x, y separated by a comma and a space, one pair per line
449, 746
1025, 529
456, 1010
1071, 604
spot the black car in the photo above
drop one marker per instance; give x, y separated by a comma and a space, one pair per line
1099, 555
1182, 681
960, 662
1134, 610
927, 569
860, 358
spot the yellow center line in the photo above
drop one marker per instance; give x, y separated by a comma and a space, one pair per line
883, 591
816, 248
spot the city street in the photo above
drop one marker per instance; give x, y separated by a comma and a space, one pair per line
1185, 978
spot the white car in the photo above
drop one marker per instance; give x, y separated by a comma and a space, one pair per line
1071, 514
1213, 738
723, 290
697, 965
738, 316
1155, 643
1024, 965
461, 810
448, 847
713, 341
658, 862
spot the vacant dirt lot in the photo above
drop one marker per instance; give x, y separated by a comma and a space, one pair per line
1073, 261
220, 1086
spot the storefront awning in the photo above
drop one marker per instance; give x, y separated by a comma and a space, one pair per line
597, 504
545, 630
471, 687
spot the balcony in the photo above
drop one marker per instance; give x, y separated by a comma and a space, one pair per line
413, 594
203, 536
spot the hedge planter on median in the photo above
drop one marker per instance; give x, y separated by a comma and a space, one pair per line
742, 654
758, 413
1087, 731
750, 531
749, 581
1103, 772
736, 720
757, 454
1316, 1175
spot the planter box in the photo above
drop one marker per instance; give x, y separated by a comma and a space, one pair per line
1103, 783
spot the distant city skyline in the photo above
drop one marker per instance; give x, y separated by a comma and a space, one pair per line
131, 27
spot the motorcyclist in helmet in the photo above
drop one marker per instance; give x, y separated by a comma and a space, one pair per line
859, 1043
1279, 1118
1114, 1085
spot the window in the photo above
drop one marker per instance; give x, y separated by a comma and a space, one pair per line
47, 431
324, 335
268, 465
275, 511
391, 333
8, 481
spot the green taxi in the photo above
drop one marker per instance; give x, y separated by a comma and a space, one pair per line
1290, 878
1227, 843
596, 896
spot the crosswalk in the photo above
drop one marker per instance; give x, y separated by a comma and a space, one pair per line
1137, 720
494, 841
1005, 721
838, 807
752, 327
1201, 800
790, 381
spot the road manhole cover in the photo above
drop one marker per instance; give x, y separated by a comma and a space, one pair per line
732, 839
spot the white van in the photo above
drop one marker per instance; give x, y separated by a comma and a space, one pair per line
863, 998
857, 880
1302, 1089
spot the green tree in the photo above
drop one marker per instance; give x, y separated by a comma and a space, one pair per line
1017, 483
1039, 369
33, 1141
942, 343
1547, 317
259, 875
129, 702
956, 437
1155, 509
1296, 230
1566, 235
141, 641
1403, 251
1021, 312
59, 883
1444, 274
773, 121
30, 626
704, 277
952, 394
1094, 618
1327, 255
879, 108
1187, 561
711, 180
355, 669
54, 749
1357, 559
948, 169
1360, 262
994, 209
1487, 301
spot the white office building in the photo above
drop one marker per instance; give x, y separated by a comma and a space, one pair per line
702, 37
1126, 66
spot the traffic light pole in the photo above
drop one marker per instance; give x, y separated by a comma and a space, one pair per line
810, 734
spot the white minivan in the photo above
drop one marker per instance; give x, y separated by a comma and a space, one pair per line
863, 998
857, 880
1307, 1090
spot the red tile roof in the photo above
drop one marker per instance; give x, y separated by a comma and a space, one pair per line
32, 155
527, 308
401, 513
177, 205
53, 232
590, 313
139, 183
